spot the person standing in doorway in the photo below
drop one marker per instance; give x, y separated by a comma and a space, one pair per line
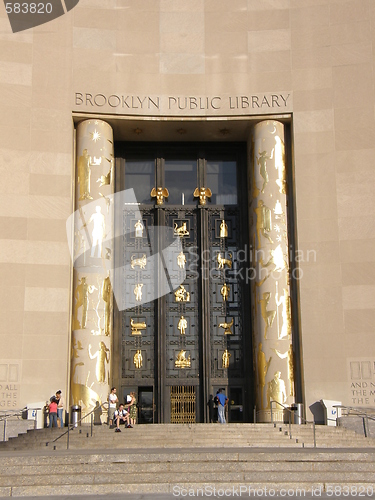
60, 408
223, 401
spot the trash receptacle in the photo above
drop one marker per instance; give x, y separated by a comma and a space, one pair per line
298, 413
75, 415
331, 412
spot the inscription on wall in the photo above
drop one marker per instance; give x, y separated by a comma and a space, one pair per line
246, 104
9, 385
361, 373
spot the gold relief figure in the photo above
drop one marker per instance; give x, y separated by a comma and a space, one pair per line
76, 346
83, 177
278, 259
227, 327
82, 394
280, 164
107, 201
276, 390
182, 361
278, 211
224, 262
136, 327
181, 231
262, 368
286, 329
181, 260
138, 359
102, 357
81, 295
256, 191
203, 194
263, 223
105, 180
268, 316
107, 298
290, 355
141, 261
160, 193
98, 231
225, 289
139, 228
223, 229
182, 295
182, 325
225, 359
262, 162
138, 292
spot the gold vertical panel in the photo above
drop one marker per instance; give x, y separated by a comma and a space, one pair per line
272, 331
92, 295
183, 399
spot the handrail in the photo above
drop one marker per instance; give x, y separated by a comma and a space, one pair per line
8, 414
73, 426
359, 412
290, 412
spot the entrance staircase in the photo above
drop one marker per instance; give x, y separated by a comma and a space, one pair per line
177, 458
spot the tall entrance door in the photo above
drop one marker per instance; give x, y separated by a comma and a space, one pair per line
187, 342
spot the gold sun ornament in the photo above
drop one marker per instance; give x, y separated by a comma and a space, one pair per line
95, 135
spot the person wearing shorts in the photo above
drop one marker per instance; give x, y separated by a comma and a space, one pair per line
112, 405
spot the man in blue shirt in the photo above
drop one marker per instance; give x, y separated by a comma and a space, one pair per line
223, 400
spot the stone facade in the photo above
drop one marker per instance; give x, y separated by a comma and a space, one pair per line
189, 60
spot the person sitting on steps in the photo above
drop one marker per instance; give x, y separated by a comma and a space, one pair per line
121, 415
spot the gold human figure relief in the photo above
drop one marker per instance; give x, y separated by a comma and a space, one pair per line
268, 316
181, 231
139, 227
222, 261
141, 261
182, 361
284, 300
225, 359
262, 162
102, 357
160, 193
203, 194
182, 325
278, 211
137, 327
81, 296
276, 390
225, 289
138, 359
107, 201
278, 259
262, 368
280, 164
138, 292
84, 175
181, 260
98, 231
263, 223
182, 295
256, 191
107, 298
223, 229
290, 355
105, 180
227, 327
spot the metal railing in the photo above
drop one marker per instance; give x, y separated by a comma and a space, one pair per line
74, 425
7, 415
291, 411
358, 412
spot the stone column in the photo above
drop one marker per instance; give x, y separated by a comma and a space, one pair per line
272, 332
92, 343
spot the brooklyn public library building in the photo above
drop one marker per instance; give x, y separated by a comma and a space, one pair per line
187, 204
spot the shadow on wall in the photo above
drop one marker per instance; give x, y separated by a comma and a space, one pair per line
318, 412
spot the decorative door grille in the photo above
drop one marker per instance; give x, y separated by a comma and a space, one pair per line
183, 404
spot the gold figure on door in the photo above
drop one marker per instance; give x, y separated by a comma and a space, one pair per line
181, 260
224, 290
225, 359
138, 359
182, 325
138, 292
223, 229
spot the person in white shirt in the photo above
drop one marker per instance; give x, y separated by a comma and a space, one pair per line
112, 404
121, 415
60, 408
